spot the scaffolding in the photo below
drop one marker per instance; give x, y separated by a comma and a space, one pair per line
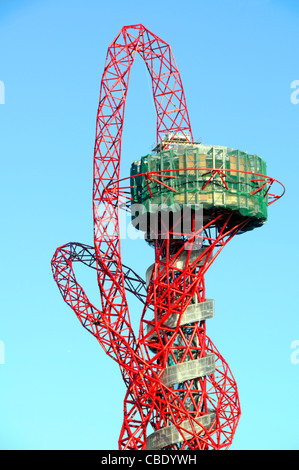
213, 177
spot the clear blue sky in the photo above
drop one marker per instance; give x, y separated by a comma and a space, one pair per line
237, 60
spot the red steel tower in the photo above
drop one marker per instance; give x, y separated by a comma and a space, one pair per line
190, 200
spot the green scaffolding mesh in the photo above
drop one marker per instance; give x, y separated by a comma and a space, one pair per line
196, 187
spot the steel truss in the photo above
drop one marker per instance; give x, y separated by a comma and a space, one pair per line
177, 381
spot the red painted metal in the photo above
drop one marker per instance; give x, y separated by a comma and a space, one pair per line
143, 359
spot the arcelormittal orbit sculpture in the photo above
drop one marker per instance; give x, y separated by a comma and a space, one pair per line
190, 200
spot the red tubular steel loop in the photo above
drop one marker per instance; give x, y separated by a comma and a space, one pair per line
202, 412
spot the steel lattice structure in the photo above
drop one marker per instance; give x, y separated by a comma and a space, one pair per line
177, 381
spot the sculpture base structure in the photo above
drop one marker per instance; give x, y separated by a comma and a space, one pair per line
190, 393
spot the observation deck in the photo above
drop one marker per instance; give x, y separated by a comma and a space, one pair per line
213, 177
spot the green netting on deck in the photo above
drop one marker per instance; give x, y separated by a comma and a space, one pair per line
189, 186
